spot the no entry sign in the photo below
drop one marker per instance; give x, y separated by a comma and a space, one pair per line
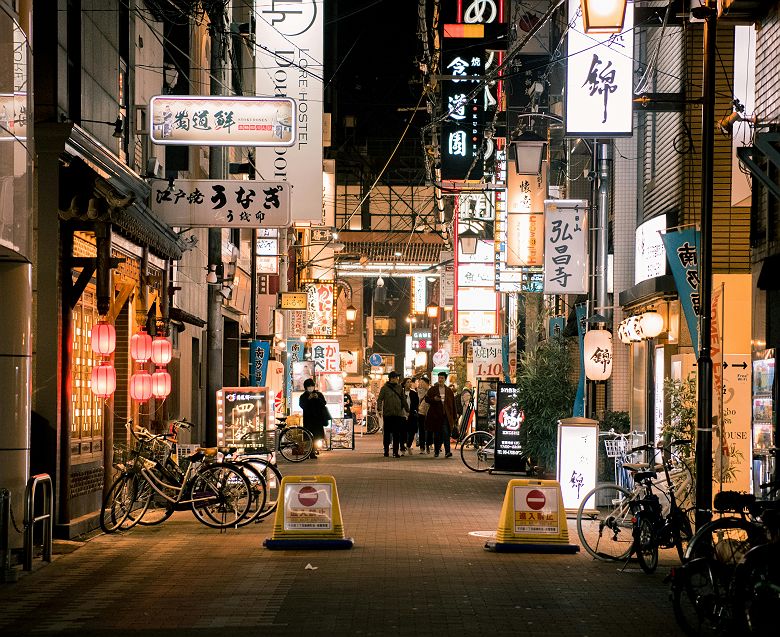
536, 510
535, 500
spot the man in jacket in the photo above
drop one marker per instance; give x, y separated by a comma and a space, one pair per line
440, 418
392, 406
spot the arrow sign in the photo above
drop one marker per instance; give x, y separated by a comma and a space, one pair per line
743, 365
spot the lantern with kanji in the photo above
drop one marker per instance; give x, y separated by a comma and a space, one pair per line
141, 386
161, 383
162, 351
598, 354
103, 380
141, 346
103, 338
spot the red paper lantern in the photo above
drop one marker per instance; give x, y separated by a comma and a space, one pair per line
103, 381
162, 351
141, 386
161, 384
141, 346
103, 338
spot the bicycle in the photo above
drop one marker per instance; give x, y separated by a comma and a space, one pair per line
709, 594
294, 442
372, 424
605, 525
652, 528
478, 452
218, 493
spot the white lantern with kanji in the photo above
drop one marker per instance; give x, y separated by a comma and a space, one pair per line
598, 354
141, 346
141, 386
103, 380
162, 351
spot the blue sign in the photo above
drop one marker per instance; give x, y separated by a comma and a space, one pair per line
375, 360
259, 352
294, 353
557, 325
682, 252
579, 400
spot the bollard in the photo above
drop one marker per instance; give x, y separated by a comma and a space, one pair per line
7, 574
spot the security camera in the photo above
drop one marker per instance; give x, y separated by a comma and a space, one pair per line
590, 175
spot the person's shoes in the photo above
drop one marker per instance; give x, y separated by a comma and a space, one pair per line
422, 451
448, 455
402, 452
428, 450
386, 454
312, 456
395, 455
435, 454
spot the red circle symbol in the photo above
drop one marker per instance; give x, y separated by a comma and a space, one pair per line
535, 499
308, 496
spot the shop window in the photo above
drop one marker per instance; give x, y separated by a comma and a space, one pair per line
86, 414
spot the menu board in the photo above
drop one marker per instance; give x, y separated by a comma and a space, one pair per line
509, 420
242, 412
763, 401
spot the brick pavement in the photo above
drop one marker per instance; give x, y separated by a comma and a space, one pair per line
414, 570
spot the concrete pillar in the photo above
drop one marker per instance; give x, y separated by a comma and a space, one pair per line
16, 383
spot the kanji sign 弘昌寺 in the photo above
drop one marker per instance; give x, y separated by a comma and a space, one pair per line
566, 246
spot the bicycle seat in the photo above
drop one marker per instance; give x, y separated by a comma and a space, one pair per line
639, 476
641, 466
732, 501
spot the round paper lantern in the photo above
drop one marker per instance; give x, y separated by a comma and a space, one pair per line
652, 324
621, 331
141, 386
103, 338
103, 381
162, 351
598, 354
634, 329
141, 346
161, 383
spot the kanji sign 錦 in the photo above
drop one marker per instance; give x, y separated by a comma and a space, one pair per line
222, 203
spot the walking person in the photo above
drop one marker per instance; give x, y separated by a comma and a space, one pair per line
424, 441
440, 418
315, 415
391, 405
412, 404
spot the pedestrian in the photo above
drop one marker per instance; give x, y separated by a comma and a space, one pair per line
424, 438
391, 405
412, 404
315, 415
440, 418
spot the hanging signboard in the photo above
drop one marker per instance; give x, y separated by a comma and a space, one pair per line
267, 253
296, 323
650, 259
289, 63
325, 355
419, 294
259, 353
509, 420
525, 218
487, 358
599, 78
682, 252
319, 308
565, 246
292, 300
222, 203
214, 120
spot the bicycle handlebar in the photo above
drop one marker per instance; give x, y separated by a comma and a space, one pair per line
660, 445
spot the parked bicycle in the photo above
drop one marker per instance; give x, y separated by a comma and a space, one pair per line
478, 453
605, 524
730, 578
292, 441
219, 493
373, 424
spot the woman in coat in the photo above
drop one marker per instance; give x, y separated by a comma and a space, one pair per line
315, 414
412, 403
440, 418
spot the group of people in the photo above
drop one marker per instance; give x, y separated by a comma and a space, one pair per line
414, 408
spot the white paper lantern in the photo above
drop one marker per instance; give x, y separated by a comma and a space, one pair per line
634, 329
652, 324
598, 354
621, 331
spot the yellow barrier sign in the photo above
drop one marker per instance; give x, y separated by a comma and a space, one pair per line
308, 515
533, 519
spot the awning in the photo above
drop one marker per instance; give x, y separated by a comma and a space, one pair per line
660, 287
182, 316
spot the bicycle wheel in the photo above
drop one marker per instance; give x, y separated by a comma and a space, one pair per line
696, 599
604, 523
646, 545
478, 451
273, 483
259, 492
725, 540
372, 424
156, 509
757, 587
295, 444
119, 503
222, 495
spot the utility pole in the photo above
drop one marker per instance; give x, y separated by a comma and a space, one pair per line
704, 362
214, 329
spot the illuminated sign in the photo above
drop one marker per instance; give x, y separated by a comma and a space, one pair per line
240, 411
213, 120
650, 255
319, 308
419, 296
292, 300
577, 458
566, 246
422, 340
222, 203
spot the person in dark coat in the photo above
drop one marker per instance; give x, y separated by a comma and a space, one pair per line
440, 418
315, 414
412, 403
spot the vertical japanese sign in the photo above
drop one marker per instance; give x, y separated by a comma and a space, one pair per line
565, 246
259, 352
222, 203
525, 218
599, 78
319, 308
419, 296
290, 64
509, 420
682, 252
581, 312
296, 322
294, 355
463, 105
650, 256
577, 459
488, 359
326, 357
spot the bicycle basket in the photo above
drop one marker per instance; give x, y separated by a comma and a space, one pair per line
121, 456
615, 447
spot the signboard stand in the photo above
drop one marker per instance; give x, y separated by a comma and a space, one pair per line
532, 519
577, 459
309, 516
509, 419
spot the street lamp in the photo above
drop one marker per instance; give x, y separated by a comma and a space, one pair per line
603, 16
351, 313
432, 311
468, 241
530, 152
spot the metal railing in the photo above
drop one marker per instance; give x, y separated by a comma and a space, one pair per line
44, 481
